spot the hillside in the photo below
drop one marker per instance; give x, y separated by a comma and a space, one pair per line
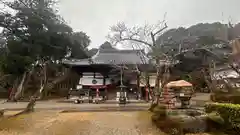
217, 30
198, 36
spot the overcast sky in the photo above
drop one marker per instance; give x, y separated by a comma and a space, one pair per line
96, 16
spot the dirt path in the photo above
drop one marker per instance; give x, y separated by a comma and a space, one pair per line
92, 123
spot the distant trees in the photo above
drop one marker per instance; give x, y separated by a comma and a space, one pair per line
34, 39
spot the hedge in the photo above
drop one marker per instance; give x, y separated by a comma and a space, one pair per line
229, 112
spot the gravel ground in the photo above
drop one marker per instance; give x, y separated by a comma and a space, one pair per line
54, 105
81, 123
94, 123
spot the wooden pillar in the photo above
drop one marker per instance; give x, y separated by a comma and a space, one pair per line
104, 83
94, 74
147, 88
147, 92
104, 79
138, 86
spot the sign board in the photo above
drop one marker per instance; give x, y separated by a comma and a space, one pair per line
181, 94
94, 81
79, 86
118, 94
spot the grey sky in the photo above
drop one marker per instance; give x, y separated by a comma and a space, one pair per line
96, 16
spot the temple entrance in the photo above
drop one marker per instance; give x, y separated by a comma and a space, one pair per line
131, 90
111, 79
145, 93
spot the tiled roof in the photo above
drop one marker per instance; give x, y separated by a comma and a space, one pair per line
121, 57
223, 74
76, 62
113, 56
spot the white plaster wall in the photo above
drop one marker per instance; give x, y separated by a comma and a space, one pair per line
87, 79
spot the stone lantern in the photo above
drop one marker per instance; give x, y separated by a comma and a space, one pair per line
183, 91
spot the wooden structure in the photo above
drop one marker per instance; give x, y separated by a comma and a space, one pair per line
105, 67
145, 90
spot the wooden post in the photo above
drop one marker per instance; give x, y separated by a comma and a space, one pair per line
104, 84
138, 86
104, 79
106, 92
97, 93
147, 93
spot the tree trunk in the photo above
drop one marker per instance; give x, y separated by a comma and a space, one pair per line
50, 85
157, 81
20, 87
30, 105
28, 78
43, 91
19, 91
14, 89
208, 81
138, 85
165, 76
32, 102
147, 83
235, 68
44, 86
150, 92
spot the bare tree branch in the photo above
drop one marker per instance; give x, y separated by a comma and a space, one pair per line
141, 35
235, 68
136, 40
145, 36
165, 27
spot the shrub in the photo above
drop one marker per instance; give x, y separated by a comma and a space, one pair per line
229, 112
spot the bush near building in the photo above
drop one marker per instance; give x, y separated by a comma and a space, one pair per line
230, 113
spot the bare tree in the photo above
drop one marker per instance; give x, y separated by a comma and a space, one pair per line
143, 37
